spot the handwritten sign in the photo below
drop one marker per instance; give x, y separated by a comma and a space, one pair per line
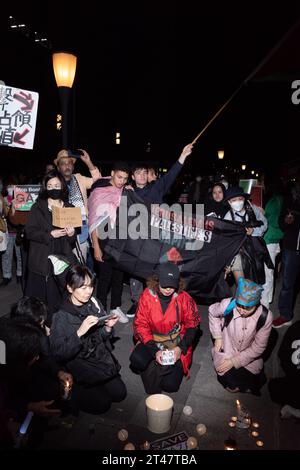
66, 217
18, 112
25, 196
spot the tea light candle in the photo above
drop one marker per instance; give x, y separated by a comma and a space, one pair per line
234, 418
187, 410
123, 434
231, 424
129, 446
255, 425
230, 444
259, 443
192, 443
254, 434
201, 429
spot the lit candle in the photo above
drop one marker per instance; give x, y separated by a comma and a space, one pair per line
254, 434
230, 444
26, 422
192, 443
259, 443
129, 446
255, 425
243, 417
67, 389
146, 445
233, 418
232, 424
201, 429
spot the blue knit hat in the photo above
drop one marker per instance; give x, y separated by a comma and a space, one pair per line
248, 294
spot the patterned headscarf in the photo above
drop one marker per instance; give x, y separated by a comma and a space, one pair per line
248, 294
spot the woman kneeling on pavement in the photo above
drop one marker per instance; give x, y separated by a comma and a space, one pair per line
165, 327
240, 328
80, 341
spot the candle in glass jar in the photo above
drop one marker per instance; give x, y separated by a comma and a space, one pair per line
255, 425
259, 443
254, 434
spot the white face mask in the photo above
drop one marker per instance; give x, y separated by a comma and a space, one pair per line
237, 205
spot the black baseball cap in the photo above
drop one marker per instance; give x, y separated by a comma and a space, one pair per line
168, 275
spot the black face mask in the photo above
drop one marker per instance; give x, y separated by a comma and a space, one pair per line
54, 193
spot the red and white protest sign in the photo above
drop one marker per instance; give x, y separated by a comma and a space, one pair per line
18, 112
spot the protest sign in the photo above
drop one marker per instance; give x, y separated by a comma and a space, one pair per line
25, 196
66, 217
18, 113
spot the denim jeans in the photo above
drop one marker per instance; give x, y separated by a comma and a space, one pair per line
291, 269
7, 257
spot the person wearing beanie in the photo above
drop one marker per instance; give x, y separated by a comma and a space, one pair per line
240, 328
165, 325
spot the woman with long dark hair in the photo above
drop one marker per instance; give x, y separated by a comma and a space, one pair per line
45, 239
80, 341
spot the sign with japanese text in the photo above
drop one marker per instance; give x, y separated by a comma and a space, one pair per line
18, 113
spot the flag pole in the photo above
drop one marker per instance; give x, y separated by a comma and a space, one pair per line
250, 76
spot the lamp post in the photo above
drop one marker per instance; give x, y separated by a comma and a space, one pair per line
221, 154
64, 66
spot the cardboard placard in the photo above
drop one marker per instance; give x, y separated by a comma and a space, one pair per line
66, 217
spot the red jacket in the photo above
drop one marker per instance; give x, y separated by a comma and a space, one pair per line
150, 318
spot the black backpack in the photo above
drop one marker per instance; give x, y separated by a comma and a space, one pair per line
260, 323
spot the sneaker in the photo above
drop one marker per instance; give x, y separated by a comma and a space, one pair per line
281, 321
122, 317
132, 310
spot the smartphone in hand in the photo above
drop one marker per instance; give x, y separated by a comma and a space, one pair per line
75, 153
106, 317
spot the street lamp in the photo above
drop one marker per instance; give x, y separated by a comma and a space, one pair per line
64, 66
220, 154
243, 167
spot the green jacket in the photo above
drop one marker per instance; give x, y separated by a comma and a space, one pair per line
272, 213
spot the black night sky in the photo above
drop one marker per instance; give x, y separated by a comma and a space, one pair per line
158, 71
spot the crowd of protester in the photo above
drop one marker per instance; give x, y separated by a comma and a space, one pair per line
59, 334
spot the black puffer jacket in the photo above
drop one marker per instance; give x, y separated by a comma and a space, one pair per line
89, 358
291, 237
41, 243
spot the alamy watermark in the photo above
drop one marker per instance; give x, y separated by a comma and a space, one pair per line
177, 225
296, 94
2, 352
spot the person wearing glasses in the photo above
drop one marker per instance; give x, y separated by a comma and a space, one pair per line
240, 328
